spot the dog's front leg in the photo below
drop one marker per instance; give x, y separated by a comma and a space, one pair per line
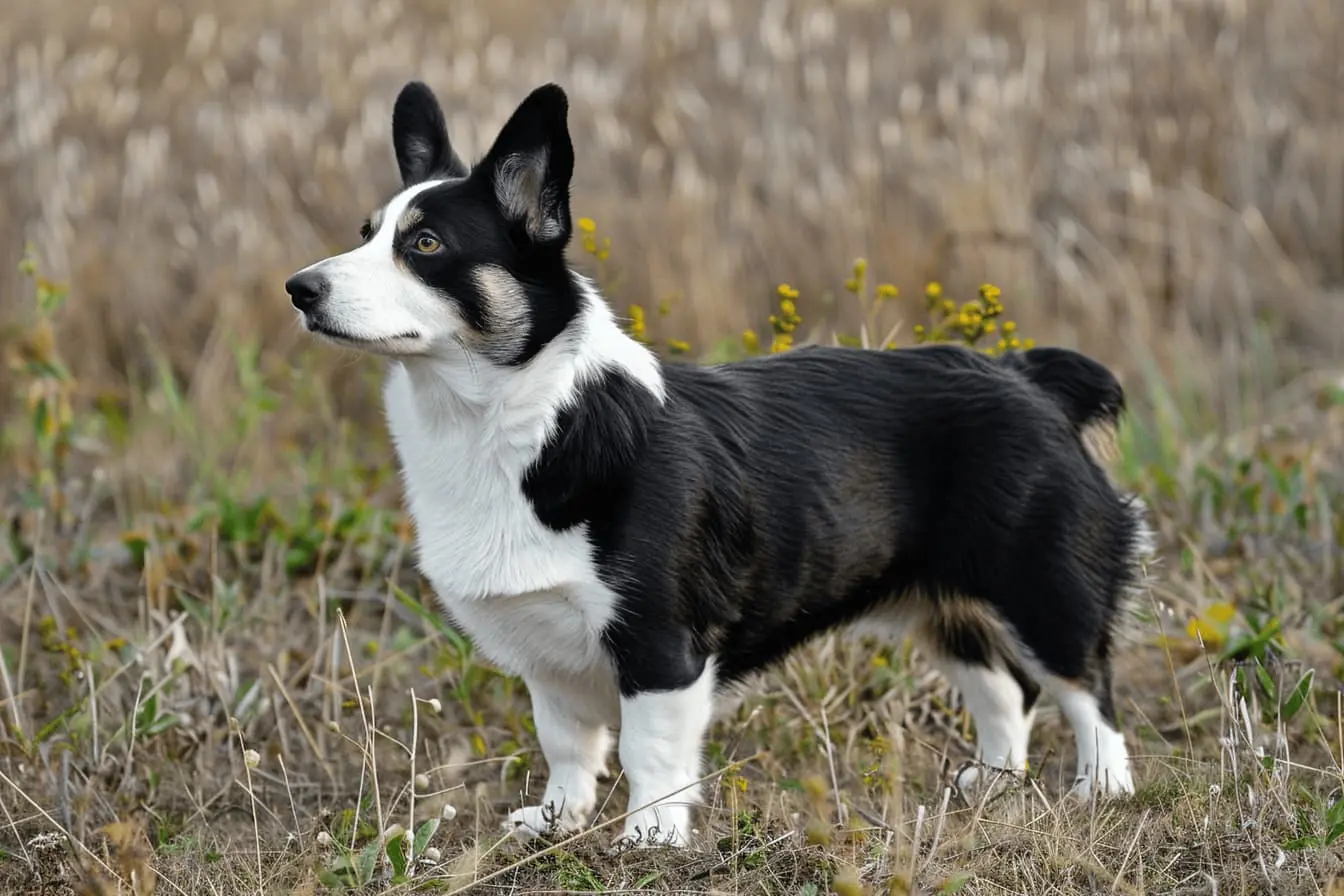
575, 745
661, 735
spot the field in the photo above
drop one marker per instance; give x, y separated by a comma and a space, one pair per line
219, 671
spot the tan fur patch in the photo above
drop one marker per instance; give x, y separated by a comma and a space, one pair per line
937, 619
506, 311
409, 218
1100, 440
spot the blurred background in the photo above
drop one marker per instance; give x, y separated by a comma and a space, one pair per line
1157, 182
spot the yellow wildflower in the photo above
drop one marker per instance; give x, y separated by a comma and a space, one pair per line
587, 225
638, 328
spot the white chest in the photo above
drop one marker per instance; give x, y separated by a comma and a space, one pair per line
529, 597
549, 636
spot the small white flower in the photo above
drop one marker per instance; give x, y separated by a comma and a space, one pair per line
432, 854
449, 812
435, 704
252, 759
393, 833
333, 726
422, 782
323, 838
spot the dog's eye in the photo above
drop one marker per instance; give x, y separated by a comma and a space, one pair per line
427, 243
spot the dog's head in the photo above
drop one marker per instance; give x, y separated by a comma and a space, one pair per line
461, 258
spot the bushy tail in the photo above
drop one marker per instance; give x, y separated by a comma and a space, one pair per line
1090, 395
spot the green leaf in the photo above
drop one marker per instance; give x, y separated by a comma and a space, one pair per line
1334, 821
1267, 682
367, 863
1298, 697
1298, 843
397, 855
423, 835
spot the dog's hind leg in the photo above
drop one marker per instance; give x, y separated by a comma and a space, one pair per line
968, 647
1087, 703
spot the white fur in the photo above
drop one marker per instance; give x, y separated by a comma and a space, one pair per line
465, 432
377, 303
661, 734
1002, 730
572, 729
1102, 757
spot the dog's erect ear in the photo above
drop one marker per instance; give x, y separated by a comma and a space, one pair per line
420, 137
531, 164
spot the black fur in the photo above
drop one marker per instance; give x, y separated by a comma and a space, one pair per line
464, 213
421, 144
775, 498
772, 499
1085, 389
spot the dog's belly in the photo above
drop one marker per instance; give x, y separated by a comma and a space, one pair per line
551, 636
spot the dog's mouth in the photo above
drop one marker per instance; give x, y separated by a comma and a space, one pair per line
322, 328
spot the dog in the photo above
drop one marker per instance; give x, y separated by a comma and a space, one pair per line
634, 538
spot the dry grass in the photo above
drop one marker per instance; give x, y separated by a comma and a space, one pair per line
203, 557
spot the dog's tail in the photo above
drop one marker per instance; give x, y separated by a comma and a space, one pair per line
1090, 395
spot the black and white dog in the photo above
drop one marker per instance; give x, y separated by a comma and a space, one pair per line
633, 537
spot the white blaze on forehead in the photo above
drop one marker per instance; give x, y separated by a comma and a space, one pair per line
374, 300
385, 220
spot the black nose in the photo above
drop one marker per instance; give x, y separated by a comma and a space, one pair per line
306, 290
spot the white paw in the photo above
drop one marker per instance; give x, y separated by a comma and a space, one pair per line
1110, 783
531, 822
